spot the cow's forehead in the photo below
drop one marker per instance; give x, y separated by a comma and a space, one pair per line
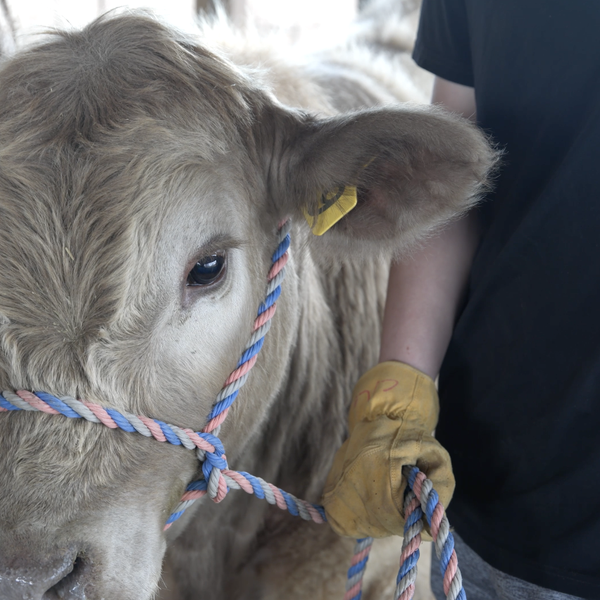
78, 86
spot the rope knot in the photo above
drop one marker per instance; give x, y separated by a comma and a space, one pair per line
211, 455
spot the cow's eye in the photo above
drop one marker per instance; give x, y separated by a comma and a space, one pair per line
207, 270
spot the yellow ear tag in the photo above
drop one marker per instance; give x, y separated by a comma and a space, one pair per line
332, 207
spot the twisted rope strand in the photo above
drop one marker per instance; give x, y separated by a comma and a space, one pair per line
262, 323
217, 486
357, 568
407, 575
440, 531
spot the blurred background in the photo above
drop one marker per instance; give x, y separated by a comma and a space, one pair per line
299, 20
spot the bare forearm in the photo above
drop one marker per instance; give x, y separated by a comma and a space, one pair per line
455, 97
424, 294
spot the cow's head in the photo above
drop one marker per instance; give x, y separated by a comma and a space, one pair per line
142, 179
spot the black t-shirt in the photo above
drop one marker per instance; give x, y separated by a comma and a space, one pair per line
520, 384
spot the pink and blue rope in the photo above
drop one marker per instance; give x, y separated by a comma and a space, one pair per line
262, 324
357, 568
422, 502
440, 531
206, 444
214, 483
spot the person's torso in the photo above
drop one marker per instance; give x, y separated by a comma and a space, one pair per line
520, 386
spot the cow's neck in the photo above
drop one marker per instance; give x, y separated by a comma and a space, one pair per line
338, 340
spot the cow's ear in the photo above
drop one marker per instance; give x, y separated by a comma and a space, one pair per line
414, 169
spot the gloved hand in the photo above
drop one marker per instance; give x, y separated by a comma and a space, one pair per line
393, 413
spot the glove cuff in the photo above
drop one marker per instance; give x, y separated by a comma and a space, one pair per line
397, 391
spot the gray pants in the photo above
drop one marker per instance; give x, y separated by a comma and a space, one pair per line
482, 582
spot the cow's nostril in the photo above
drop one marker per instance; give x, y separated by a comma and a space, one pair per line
35, 577
72, 585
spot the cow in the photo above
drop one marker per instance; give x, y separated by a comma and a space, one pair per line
132, 158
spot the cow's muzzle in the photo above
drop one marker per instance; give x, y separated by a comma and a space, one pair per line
37, 577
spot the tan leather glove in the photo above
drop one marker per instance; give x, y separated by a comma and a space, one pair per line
394, 411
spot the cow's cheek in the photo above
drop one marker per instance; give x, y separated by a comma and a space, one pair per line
205, 346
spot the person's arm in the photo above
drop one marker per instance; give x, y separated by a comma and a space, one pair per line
425, 290
395, 405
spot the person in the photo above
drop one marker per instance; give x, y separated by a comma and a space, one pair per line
504, 305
